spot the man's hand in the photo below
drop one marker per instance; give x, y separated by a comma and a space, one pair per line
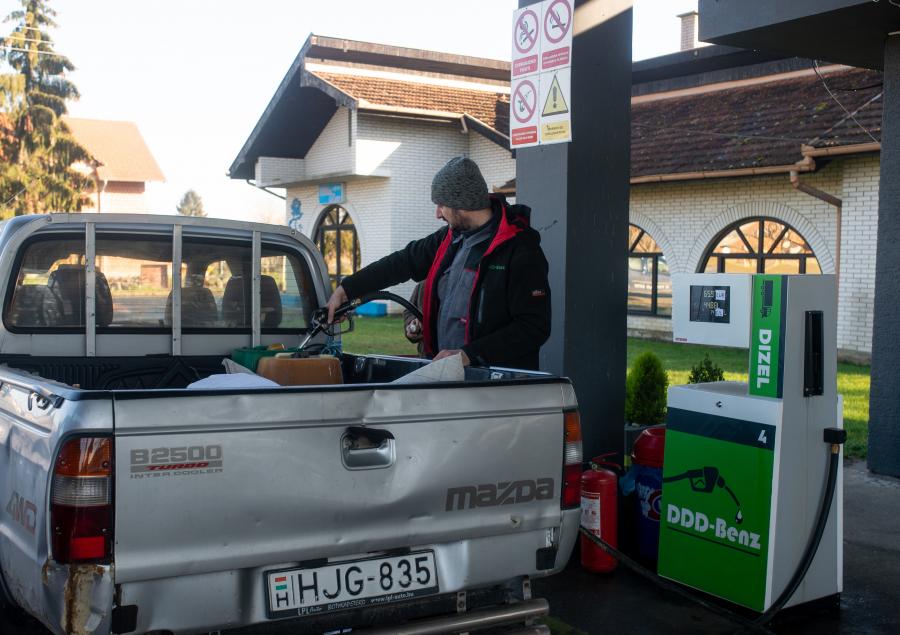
414, 331
446, 353
337, 298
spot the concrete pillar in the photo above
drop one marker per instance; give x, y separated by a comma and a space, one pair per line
579, 196
884, 404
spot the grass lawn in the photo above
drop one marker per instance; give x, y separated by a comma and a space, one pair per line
385, 335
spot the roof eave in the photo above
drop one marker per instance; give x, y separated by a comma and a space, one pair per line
490, 133
296, 73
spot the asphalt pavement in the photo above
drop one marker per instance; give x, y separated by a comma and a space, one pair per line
623, 602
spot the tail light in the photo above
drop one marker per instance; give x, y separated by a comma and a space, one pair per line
571, 489
81, 501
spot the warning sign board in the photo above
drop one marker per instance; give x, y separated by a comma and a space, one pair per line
542, 55
556, 95
526, 41
555, 101
524, 116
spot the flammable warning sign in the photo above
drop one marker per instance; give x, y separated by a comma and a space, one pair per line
556, 96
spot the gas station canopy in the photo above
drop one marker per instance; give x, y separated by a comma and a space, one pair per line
851, 32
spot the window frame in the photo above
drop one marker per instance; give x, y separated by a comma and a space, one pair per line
318, 235
655, 256
81, 234
760, 255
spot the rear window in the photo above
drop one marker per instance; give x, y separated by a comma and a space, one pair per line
38, 296
134, 285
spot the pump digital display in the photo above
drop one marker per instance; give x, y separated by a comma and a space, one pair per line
710, 304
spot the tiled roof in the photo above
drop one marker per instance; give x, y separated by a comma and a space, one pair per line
119, 147
492, 108
753, 126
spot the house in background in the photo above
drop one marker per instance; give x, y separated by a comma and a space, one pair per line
355, 133
122, 167
741, 162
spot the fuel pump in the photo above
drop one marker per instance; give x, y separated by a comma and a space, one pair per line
752, 503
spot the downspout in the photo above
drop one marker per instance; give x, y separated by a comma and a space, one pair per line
831, 200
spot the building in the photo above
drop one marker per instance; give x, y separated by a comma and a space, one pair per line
122, 166
741, 161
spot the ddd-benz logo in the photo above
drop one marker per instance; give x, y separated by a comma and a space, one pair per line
505, 493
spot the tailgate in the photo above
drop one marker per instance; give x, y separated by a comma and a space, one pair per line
214, 482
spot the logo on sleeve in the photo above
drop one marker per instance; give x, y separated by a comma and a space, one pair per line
538, 293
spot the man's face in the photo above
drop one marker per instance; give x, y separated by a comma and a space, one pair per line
457, 219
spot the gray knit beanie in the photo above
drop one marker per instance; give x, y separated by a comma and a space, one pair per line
459, 185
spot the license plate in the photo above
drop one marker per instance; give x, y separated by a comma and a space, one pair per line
350, 585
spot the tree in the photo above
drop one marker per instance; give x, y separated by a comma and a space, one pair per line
37, 172
645, 390
191, 204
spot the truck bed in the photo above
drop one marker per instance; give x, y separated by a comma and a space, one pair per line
152, 372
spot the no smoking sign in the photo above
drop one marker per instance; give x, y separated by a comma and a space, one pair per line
526, 39
524, 110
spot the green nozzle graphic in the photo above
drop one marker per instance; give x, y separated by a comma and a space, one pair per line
704, 480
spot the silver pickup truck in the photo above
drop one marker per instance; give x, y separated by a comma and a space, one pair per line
130, 503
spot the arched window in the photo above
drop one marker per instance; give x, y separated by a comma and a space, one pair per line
649, 281
336, 238
760, 245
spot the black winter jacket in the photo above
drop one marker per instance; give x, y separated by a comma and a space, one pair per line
509, 309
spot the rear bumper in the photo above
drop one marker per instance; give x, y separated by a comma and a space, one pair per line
512, 615
235, 599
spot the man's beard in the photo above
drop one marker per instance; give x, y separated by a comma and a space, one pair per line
458, 221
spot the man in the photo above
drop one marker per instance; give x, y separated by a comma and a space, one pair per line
485, 293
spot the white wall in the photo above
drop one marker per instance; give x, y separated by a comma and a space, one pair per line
333, 151
496, 163
391, 211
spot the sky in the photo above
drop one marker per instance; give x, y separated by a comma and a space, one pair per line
195, 75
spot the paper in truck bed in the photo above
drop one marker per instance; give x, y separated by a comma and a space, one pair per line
447, 369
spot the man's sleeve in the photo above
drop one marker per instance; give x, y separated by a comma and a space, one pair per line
528, 298
410, 263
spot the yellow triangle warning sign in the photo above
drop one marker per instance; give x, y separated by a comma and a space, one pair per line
556, 101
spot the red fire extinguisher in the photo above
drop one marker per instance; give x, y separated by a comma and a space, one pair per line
599, 513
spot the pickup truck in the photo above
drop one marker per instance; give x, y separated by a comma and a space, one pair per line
130, 503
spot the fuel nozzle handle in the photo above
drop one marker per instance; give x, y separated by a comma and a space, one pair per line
701, 480
705, 480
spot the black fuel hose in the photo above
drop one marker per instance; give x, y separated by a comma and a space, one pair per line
675, 588
319, 322
385, 295
835, 437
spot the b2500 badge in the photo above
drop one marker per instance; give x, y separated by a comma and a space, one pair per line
177, 461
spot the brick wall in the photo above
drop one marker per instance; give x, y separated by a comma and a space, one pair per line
275, 171
333, 152
685, 217
858, 235
394, 207
496, 163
